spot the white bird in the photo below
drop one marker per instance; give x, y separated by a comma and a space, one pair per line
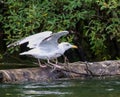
45, 47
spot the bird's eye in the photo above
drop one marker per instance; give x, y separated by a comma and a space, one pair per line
67, 45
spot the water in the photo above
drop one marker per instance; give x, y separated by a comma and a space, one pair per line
64, 88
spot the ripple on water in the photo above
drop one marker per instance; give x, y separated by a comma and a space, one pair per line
110, 89
32, 92
47, 88
51, 85
117, 82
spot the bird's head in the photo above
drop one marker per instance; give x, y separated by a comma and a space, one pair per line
65, 46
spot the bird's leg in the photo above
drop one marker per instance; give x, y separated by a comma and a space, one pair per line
40, 63
56, 61
50, 62
66, 61
54, 65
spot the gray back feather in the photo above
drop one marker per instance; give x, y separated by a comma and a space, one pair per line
51, 42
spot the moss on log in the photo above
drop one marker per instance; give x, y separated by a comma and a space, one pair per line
72, 70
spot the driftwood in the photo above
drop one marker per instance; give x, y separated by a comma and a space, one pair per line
72, 70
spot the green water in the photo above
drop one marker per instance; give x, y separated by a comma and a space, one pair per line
64, 88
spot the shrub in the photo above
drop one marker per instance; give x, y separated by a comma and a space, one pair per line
96, 22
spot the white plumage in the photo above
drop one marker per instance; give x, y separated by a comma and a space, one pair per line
45, 45
32, 40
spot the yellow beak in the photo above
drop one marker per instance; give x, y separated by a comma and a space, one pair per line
74, 46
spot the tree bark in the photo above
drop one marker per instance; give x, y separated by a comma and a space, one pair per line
71, 70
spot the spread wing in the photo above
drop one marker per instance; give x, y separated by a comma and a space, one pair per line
33, 40
51, 42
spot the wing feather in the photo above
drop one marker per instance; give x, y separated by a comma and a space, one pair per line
33, 40
52, 41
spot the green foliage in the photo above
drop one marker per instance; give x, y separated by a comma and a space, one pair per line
95, 20
104, 24
20, 19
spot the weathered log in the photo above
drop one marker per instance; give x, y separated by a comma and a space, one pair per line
72, 70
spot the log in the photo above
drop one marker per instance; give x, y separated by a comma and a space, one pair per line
63, 71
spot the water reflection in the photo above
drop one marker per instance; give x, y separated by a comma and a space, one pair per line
71, 88
110, 89
53, 88
44, 92
50, 85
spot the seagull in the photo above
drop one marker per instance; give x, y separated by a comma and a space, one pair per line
45, 45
